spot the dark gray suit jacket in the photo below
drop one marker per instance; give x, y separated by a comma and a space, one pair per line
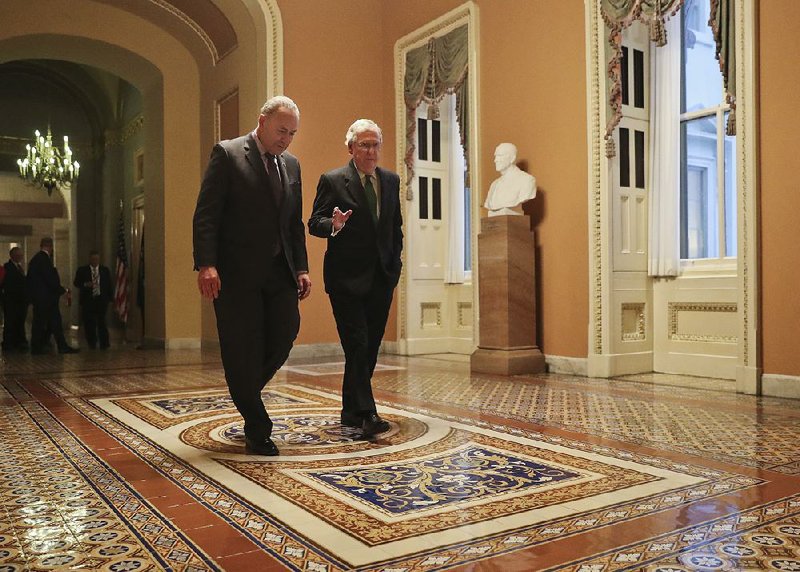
236, 221
361, 247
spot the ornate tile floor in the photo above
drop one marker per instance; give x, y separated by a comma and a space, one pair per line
128, 461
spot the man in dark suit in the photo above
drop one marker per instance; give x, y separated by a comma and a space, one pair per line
45, 289
15, 303
94, 284
357, 209
250, 250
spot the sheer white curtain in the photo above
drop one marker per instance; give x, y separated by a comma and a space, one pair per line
454, 269
665, 170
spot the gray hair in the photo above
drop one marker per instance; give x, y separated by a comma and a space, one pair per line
359, 126
273, 103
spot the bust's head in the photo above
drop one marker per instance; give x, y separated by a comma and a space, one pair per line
504, 156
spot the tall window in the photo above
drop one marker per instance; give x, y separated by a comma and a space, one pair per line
708, 168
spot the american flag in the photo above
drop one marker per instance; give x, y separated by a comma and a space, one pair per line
121, 289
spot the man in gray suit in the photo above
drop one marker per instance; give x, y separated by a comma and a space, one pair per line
250, 251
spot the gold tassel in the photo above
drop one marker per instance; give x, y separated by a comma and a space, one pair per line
433, 110
611, 148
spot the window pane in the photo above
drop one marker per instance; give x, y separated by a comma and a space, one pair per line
638, 79
624, 158
436, 141
639, 149
422, 138
730, 194
624, 75
699, 214
702, 80
437, 198
423, 198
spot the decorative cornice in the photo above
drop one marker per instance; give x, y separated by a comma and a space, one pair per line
120, 136
196, 28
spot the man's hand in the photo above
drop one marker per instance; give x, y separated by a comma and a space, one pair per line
208, 282
339, 218
303, 285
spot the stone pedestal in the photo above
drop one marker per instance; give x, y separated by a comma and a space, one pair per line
507, 290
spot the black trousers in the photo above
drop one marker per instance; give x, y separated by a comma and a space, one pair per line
361, 322
46, 322
93, 316
257, 326
14, 313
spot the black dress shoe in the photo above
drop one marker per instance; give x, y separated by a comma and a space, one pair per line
263, 447
68, 350
373, 425
349, 420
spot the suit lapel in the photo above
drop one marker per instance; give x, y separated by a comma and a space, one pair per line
284, 180
355, 188
254, 158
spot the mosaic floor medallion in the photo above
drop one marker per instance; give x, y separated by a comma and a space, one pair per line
431, 485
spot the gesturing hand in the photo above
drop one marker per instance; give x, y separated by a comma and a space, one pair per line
339, 218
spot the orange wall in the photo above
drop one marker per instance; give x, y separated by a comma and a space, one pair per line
533, 94
779, 48
532, 64
332, 71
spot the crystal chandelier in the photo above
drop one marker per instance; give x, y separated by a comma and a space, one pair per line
46, 166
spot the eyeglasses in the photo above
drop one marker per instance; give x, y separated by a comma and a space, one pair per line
368, 145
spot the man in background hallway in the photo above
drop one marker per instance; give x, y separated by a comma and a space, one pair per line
45, 290
94, 284
250, 250
357, 209
15, 303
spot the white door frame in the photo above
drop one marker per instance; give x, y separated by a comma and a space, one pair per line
602, 335
467, 13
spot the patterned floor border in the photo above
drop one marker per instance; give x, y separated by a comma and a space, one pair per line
164, 543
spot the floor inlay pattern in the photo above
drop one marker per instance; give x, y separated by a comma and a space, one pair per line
143, 468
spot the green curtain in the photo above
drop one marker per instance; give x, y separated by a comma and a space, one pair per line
723, 25
619, 14
432, 71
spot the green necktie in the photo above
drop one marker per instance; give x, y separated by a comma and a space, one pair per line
372, 198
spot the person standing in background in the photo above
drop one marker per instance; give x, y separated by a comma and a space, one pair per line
45, 289
94, 284
15, 303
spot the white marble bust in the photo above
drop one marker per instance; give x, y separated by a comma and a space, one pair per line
513, 187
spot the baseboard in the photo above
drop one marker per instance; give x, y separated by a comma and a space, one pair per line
776, 385
390, 348
566, 365
182, 343
305, 351
611, 365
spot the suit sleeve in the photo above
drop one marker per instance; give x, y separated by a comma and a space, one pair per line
298, 231
321, 222
209, 209
398, 229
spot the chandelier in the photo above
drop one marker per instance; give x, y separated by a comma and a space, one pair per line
46, 166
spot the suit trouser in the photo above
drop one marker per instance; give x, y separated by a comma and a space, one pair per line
257, 326
361, 322
46, 321
93, 313
14, 313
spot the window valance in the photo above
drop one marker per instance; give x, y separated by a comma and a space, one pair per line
432, 71
620, 14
